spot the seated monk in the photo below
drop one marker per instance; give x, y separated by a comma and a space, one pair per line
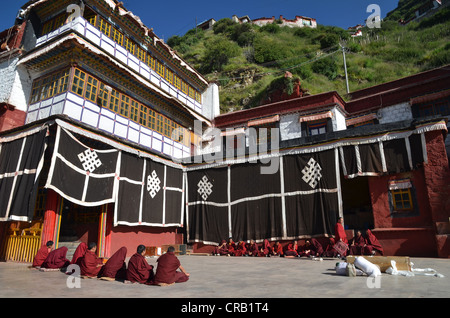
79, 253
42, 254
115, 267
252, 248
222, 249
139, 270
372, 244
357, 244
90, 264
56, 259
312, 248
241, 250
278, 249
167, 271
291, 250
329, 250
266, 250
231, 247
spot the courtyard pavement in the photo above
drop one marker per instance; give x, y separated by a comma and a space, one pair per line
238, 278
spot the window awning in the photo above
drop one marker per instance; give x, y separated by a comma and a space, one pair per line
233, 132
361, 119
318, 116
263, 121
400, 184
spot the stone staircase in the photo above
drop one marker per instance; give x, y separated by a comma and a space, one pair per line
70, 244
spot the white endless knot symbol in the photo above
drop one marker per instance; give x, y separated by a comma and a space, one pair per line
311, 173
89, 159
204, 187
153, 184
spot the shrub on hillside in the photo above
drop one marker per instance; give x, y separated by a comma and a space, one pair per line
217, 54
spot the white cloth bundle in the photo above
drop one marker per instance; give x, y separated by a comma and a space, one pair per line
367, 267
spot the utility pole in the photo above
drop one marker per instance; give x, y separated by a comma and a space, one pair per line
345, 68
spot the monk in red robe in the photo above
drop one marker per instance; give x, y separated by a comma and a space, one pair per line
222, 249
372, 244
357, 244
329, 250
252, 248
167, 270
56, 259
90, 264
139, 270
291, 249
278, 249
42, 254
241, 249
79, 253
339, 233
115, 268
231, 246
266, 250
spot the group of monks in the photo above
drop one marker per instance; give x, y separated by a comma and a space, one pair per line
137, 271
359, 245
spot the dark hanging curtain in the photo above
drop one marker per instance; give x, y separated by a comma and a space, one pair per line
20, 161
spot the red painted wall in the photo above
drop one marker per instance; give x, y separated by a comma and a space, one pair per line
132, 236
11, 118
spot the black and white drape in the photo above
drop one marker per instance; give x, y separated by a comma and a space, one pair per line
91, 170
21, 161
149, 193
82, 174
299, 199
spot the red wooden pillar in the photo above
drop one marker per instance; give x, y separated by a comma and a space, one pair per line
51, 218
104, 233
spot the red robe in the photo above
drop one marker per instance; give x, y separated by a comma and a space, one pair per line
266, 249
278, 249
79, 253
357, 245
339, 233
222, 249
329, 250
373, 243
241, 250
166, 271
291, 250
252, 249
56, 259
231, 248
41, 255
115, 267
139, 270
89, 264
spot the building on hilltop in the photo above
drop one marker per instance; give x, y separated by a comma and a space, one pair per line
298, 22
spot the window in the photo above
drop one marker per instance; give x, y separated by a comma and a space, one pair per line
317, 127
160, 123
49, 86
177, 81
198, 97
129, 45
91, 89
191, 92
117, 37
53, 24
151, 119
184, 87
402, 200
143, 112
105, 27
78, 82
92, 19
140, 54
134, 111
160, 68
103, 95
151, 62
169, 76
124, 105
114, 101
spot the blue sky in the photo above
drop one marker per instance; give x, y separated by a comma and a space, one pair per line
177, 17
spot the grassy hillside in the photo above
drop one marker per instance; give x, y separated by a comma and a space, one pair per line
247, 61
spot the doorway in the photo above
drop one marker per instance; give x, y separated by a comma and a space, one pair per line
357, 204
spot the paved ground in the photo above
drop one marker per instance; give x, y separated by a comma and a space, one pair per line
236, 277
